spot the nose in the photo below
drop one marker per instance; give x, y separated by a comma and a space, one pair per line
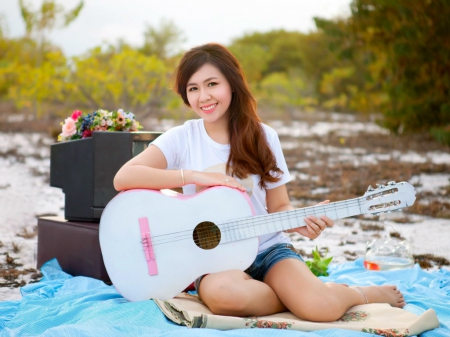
204, 96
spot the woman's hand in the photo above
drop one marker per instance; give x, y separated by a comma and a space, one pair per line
208, 179
314, 226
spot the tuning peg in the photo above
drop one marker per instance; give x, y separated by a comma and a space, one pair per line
391, 183
370, 188
380, 186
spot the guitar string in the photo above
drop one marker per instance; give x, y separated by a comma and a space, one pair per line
229, 226
253, 219
252, 222
345, 204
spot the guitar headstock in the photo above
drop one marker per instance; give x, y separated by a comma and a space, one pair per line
389, 197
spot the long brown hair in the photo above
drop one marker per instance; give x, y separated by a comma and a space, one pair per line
249, 151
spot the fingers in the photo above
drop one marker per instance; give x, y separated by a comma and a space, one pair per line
234, 183
208, 179
317, 225
329, 222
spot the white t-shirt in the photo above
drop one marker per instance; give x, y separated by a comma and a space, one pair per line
189, 147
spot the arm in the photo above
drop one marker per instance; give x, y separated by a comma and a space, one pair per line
277, 200
148, 170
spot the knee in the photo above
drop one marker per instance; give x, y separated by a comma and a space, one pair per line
222, 296
325, 307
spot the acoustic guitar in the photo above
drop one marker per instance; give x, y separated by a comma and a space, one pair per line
156, 243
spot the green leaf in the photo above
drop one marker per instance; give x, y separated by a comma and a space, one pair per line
319, 265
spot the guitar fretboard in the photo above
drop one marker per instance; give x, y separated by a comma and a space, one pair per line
275, 222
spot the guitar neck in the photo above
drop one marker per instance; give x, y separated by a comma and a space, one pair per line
242, 229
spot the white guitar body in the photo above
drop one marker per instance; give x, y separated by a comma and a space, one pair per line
154, 245
180, 261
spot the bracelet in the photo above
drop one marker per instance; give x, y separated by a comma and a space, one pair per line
362, 292
182, 177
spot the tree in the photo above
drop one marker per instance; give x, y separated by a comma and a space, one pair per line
46, 84
286, 91
50, 16
162, 42
253, 58
123, 78
38, 24
355, 80
414, 37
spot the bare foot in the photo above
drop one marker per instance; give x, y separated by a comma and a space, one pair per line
382, 294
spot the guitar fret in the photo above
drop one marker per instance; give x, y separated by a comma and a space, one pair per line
238, 230
279, 223
335, 211
298, 221
247, 229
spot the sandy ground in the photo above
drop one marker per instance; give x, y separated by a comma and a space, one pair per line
330, 156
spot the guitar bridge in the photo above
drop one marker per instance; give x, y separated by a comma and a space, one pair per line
148, 246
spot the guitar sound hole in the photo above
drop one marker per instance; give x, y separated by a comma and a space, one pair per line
206, 235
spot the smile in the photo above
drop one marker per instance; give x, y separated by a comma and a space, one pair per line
209, 107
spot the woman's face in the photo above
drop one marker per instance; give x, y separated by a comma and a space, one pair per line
209, 93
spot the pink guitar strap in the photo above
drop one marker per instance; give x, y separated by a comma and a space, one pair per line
148, 246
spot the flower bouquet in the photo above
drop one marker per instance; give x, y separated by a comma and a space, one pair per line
81, 125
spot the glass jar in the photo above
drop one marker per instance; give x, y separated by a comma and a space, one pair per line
388, 254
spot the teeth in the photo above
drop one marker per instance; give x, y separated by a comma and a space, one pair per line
210, 107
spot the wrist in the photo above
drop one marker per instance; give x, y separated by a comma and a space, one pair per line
188, 177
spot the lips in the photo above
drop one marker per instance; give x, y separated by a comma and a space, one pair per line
209, 108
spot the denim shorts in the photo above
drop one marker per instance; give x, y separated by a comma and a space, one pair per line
266, 260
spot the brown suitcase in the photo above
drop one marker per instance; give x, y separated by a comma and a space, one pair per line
74, 244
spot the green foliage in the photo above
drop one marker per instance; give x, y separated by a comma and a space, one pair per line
279, 66
31, 87
35, 75
49, 16
414, 37
254, 60
389, 56
124, 78
441, 134
319, 264
163, 41
285, 92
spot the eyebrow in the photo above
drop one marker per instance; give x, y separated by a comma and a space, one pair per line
208, 79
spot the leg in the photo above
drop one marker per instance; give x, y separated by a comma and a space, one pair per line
235, 293
309, 298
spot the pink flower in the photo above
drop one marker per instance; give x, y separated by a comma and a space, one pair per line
69, 128
121, 119
76, 114
87, 133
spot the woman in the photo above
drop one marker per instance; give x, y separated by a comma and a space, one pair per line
229, 146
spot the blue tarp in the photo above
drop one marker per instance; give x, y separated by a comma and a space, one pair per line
61, 305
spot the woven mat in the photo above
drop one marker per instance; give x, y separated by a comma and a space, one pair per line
380, 319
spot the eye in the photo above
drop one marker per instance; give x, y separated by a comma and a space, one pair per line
211, 84
192, 88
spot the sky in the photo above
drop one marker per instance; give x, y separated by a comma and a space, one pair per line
201, 21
